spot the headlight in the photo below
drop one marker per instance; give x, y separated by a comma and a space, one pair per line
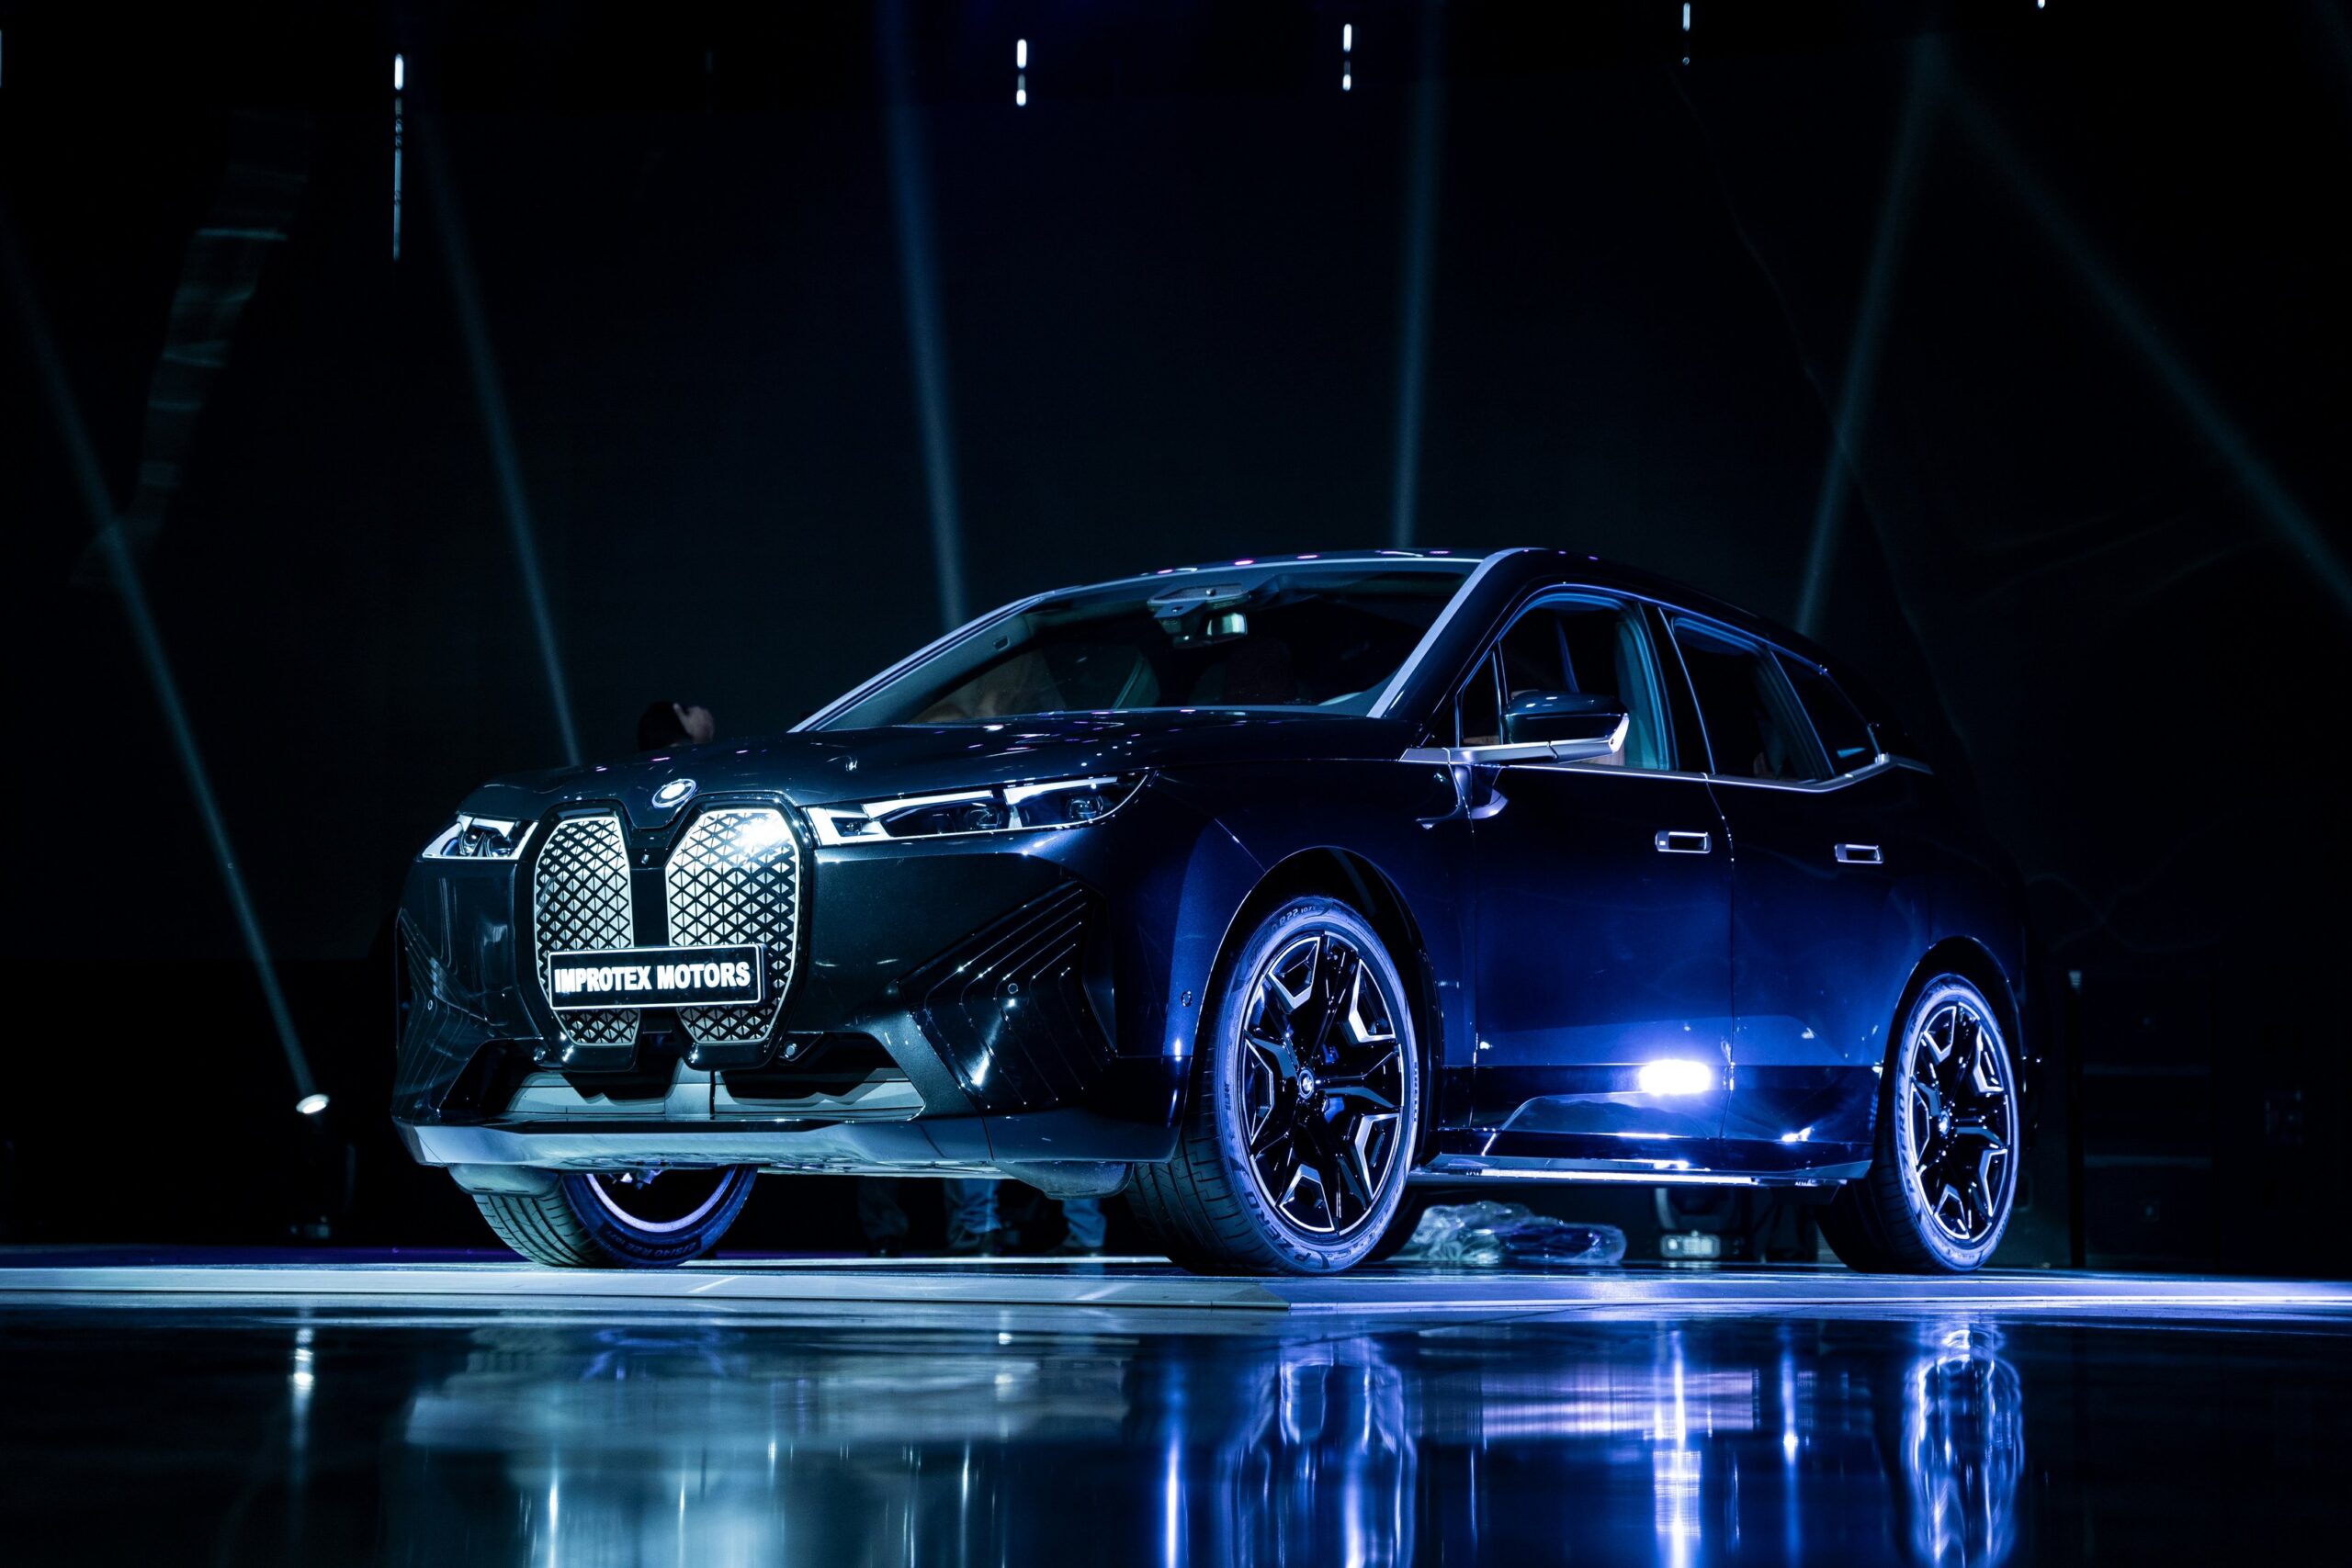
1007, 808
479, 838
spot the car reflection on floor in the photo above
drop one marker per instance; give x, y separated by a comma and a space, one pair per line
1678, 1445
426, 1414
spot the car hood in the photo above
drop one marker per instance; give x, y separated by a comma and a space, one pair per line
816, 767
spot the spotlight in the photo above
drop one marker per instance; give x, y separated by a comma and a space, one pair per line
399, 73
311, 1104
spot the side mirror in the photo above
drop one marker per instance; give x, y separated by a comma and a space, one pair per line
1576, 725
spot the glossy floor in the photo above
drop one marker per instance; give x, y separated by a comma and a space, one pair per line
1637, 1419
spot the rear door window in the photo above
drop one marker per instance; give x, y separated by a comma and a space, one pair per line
1755, 728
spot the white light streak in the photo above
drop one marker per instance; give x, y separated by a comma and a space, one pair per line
1672, 1076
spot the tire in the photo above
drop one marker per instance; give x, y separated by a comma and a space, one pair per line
1401, 1225
1944, 1177
1294, 1060
592, 1220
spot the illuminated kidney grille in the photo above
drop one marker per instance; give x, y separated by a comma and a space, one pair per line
580, 902
735, 877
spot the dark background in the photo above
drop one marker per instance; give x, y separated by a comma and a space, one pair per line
2088, 531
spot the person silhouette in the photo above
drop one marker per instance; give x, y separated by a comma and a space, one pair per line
663, 725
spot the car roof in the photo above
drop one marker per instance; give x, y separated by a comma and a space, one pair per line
1514, 570
1450, 560
1492, 583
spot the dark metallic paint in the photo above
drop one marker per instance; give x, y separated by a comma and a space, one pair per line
1545, 927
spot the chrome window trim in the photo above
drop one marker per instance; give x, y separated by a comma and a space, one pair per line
1456, 756
1819, 786
1473, 756
1592, 597
1772, 653
1534, 599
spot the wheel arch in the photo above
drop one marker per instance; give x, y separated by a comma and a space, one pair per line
1349, 878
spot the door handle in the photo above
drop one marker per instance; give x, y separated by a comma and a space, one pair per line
1859, 854
1672, 841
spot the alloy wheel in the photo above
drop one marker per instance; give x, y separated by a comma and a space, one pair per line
659, 1200
1963, 1122
1323, 1081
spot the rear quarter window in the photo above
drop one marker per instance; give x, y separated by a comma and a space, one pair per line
1844, 734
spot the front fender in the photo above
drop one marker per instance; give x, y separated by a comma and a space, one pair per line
1401, 821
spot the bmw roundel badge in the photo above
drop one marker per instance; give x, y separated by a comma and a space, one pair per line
675, 793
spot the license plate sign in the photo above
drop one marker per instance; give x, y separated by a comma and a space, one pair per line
656, 977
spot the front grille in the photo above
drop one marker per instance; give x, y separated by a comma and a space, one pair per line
580, 902
735, 877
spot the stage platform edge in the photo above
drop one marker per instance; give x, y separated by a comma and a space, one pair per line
1132, 1284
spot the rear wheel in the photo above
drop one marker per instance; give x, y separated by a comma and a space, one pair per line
1306, 1086
1941, 1188
619, 1219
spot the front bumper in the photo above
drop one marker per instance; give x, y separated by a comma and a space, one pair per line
1016, 989
1128, 1120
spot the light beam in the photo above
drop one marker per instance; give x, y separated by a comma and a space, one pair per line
492, 395
1841, 468
123, 569
2295, 528
1419, 262
919, 278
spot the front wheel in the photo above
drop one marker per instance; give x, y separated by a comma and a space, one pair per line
619, 1219
1944, 1176
1305, 1087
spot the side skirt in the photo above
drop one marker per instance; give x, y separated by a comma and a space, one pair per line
1459, 1168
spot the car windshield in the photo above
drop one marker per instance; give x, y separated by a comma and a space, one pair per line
1325, 637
